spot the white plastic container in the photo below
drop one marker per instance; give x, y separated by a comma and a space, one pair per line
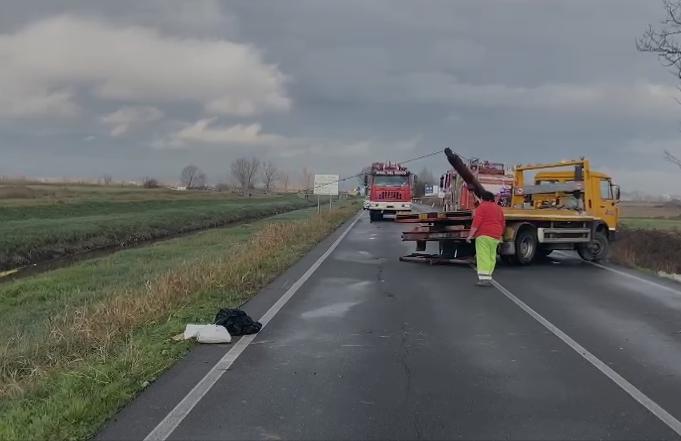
207, 333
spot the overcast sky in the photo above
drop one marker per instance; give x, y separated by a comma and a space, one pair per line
136, 88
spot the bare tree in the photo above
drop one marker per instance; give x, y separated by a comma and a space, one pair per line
672, 158
107, 179
425, 178
201, 180
283, 178
307, 179
363, 176
149, 182
664, 41
244, 172
269, 175
192, 177
222, 186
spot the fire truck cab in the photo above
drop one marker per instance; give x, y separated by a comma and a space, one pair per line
389, 189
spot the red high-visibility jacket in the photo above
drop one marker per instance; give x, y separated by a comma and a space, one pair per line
488, 218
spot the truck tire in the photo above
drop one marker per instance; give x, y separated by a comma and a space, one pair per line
509, 259
447, 249
597, 249
450, 249
526, 244
375, 215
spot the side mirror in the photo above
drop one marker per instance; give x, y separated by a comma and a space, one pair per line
616, 192
366, 180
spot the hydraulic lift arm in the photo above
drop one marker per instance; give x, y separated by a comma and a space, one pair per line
464, 172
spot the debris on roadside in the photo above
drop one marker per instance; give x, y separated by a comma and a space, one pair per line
237, 322
207, 333
228, 323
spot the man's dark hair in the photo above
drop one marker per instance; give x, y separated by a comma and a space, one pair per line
487, 196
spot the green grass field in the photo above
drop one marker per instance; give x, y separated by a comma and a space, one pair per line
81, 341
62, 220
650, 215
651, 224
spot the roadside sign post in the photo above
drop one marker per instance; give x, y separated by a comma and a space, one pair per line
325, 185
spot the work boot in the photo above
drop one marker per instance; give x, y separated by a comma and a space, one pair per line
483, 283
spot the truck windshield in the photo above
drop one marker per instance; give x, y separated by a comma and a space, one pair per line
394, 181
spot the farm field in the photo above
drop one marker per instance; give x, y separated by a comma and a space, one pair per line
651, 223
42, 222
651, 215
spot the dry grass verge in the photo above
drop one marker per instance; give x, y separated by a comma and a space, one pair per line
96, 353
656, 250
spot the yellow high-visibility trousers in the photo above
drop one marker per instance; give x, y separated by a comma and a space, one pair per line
486, 256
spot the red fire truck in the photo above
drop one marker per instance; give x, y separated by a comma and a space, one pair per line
491, 175
389, 189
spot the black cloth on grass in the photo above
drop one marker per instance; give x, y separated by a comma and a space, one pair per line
237, 322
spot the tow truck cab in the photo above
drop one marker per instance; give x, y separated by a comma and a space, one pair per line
563, 209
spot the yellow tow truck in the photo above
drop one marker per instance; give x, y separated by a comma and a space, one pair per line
565, 206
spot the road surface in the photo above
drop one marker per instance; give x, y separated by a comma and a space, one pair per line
367, 347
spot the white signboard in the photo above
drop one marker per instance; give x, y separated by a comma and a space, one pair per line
326, 185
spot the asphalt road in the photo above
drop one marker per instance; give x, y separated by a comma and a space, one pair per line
372, 348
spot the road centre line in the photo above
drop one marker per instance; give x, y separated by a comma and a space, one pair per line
171, 421
620, 381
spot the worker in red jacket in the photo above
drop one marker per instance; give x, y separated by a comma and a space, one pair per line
488, 230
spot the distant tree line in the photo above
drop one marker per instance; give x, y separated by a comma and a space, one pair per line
246, 174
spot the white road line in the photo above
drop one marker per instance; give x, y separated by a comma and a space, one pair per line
640, 279
627, 387
631, 276
168, 425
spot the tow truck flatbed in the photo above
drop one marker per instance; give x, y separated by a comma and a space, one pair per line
434, 216
544, 214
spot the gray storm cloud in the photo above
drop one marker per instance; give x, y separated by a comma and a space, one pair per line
140, 88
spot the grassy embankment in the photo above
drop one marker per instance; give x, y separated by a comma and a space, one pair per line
51, 221
80, 342
650, 237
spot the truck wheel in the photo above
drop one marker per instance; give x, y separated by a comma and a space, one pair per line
375, 216
447, 249
509, 259
450, 249
595, 250
526, 244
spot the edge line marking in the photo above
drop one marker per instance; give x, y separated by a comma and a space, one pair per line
631, 276
173, 419
606, 370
